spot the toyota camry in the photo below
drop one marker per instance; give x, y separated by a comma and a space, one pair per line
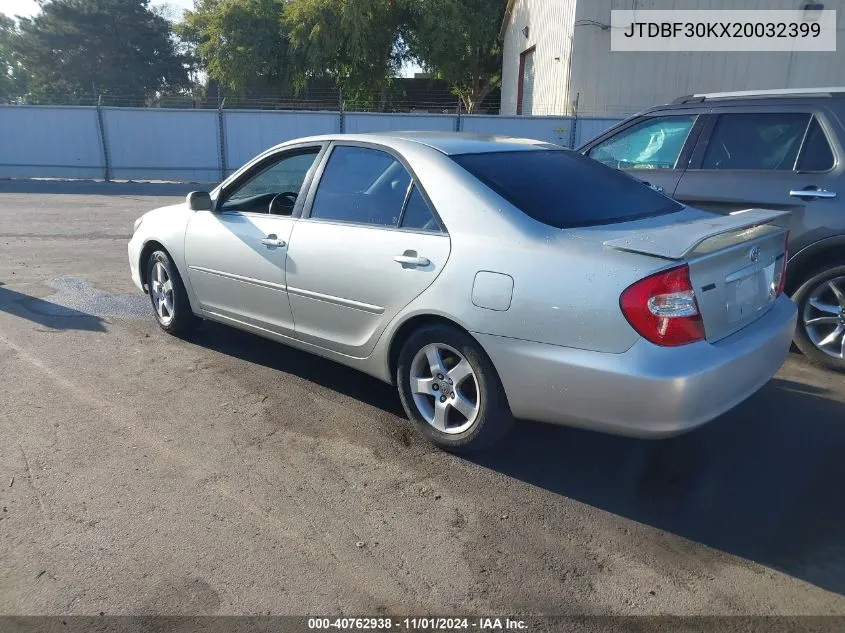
488, 278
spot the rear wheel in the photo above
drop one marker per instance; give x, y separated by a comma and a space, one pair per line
820, 334
451, 390
167, 294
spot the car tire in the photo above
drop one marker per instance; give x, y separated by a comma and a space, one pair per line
808, 335
169, 299
469, 383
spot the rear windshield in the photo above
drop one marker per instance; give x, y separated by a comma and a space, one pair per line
564, 189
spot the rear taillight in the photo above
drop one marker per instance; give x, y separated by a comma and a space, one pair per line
780, 277
662, 308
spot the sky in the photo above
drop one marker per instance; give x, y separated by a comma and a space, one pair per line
173, 11
26, 8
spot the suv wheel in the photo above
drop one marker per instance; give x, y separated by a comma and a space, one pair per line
820, 334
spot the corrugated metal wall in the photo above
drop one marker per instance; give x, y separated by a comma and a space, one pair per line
590, 127
549, 25
170, 144
161, 144
618, 84
249, 132
552, 129
64, 144
362, 122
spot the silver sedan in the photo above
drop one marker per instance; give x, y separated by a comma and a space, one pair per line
488, 278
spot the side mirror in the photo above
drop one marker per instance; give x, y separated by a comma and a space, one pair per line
199, 201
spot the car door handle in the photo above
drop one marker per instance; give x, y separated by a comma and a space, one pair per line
272, 240
411, 260
812, 193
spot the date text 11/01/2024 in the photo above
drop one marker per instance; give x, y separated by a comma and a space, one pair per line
421, 623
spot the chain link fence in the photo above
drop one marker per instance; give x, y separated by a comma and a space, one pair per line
402, 98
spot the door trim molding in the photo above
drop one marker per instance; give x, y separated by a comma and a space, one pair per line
246, 280
346, 303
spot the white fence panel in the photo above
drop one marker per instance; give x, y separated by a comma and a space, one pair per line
551, 129
249, 132
49, 142
171, 144
589, 128
163, 144
357, 122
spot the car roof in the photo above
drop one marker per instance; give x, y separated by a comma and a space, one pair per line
449, 143
766, 98
776, 93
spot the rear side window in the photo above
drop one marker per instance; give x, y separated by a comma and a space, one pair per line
564, 189
361, 185
816, 154
417, 213
761, 141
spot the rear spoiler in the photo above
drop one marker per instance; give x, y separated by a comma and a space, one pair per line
679, 241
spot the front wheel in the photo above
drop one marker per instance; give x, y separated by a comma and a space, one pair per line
169, 298
451, 390
820, 334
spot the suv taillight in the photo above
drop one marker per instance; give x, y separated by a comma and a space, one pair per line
662, 308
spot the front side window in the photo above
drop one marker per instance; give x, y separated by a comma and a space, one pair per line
760, 141
652, 144
564, 189
284, 176
361, 185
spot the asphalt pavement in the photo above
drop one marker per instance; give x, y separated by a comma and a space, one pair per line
225, 474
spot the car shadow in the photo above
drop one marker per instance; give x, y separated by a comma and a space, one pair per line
320, 371
47, 314
100, 188
762, 482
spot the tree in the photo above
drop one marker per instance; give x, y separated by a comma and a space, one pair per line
7, 28
458, 40
240, 42
12, 76
355, 42
74, 48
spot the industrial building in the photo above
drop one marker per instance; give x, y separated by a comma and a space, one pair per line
557, 58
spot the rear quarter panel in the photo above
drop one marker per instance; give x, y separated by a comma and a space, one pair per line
565, 292
565, 288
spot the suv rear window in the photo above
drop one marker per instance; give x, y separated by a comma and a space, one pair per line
564, 189
816, 154
756, 141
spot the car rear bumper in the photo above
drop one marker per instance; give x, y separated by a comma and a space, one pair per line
648, 391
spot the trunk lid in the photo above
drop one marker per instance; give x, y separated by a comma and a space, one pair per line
734, 260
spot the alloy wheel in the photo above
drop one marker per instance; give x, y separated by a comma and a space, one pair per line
445, 388
824, 317
161, 291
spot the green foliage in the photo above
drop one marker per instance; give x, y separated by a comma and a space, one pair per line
89, 47
124, 50
241, 43
355, 42
12, 76
7, 27
458, 40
